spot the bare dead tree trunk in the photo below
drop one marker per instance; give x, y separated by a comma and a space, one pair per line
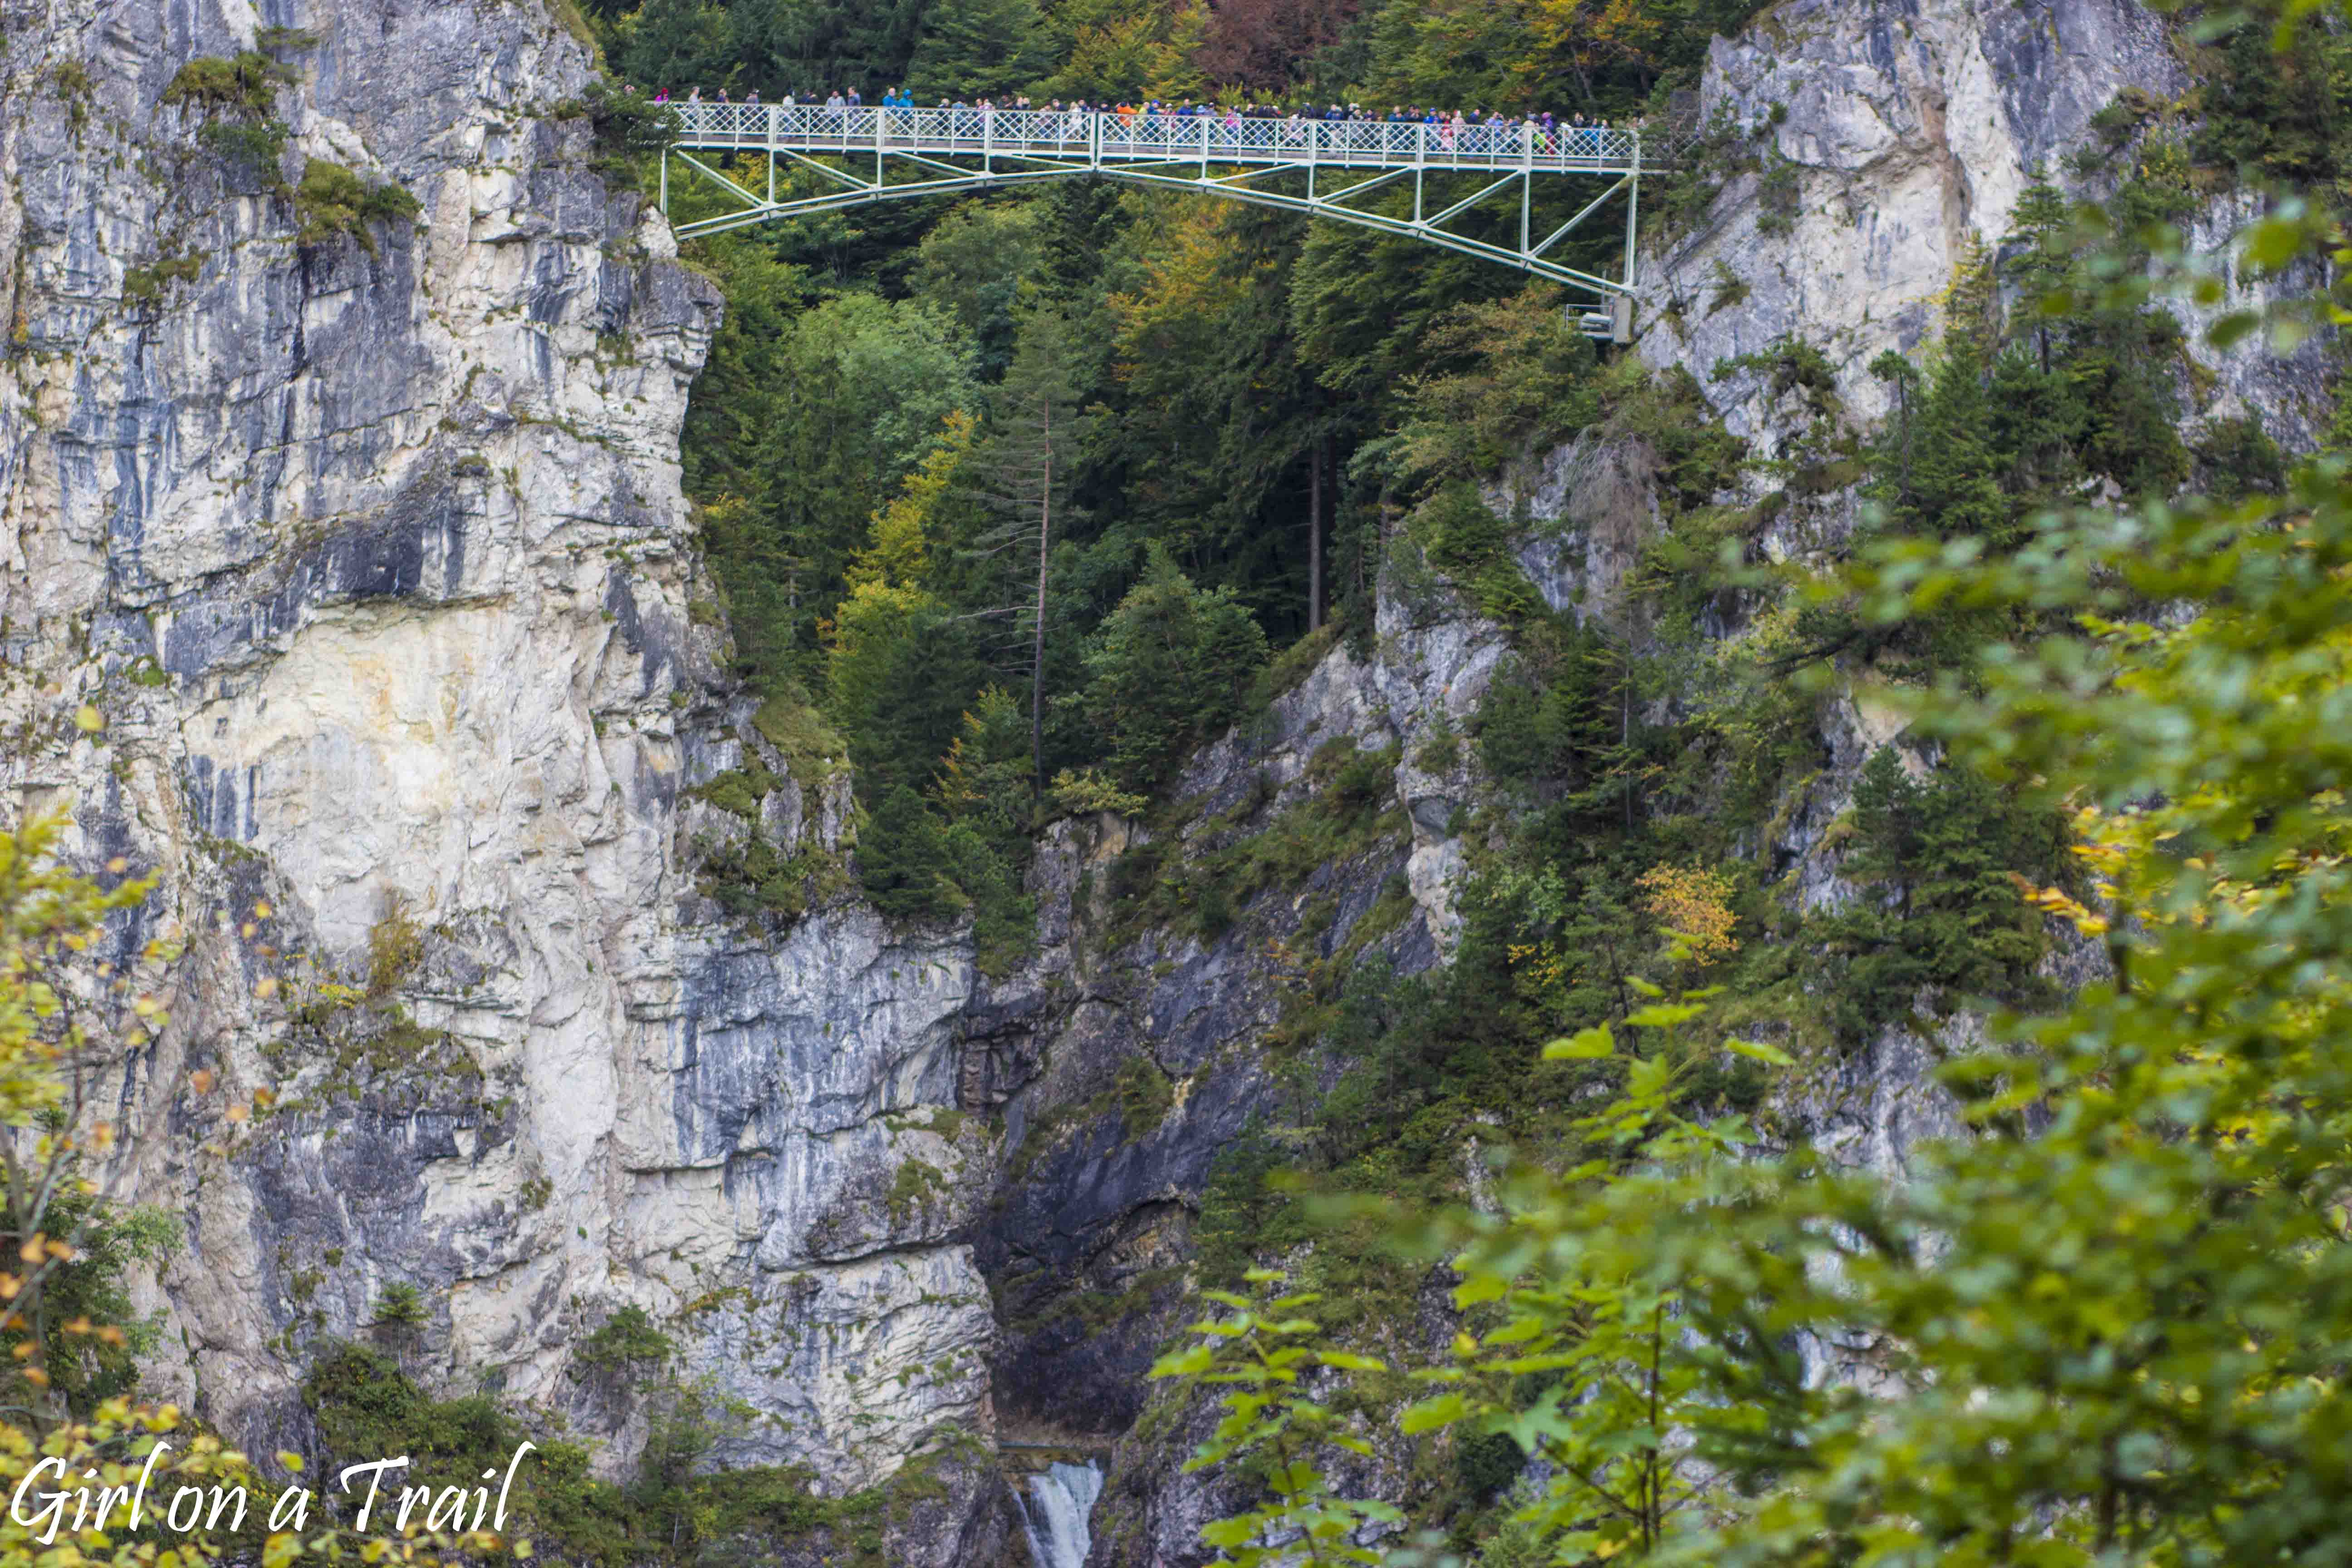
1037, 641
1315, 536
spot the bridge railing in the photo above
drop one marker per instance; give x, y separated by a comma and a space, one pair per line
1108, 135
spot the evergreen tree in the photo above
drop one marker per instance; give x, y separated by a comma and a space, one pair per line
676, 44
855, 396
1024, 484
813, 47
1168, 668
980, 49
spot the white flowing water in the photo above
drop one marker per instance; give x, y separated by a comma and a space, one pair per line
1054, 1511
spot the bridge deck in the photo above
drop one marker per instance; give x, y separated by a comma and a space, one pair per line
1100, 138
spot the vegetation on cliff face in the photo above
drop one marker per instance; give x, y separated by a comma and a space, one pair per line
1191, 403
2108, 1325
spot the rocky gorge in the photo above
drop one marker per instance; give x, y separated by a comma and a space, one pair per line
365, 537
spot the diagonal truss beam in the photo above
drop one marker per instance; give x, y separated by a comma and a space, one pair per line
708, 173
951, 179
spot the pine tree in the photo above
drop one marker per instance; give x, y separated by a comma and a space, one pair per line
1023, 479
805, 47
1168, 668
676, 44
980, 49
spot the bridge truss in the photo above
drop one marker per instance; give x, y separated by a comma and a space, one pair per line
1322, 168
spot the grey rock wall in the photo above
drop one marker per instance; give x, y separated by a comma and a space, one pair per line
1908, 129
370, 549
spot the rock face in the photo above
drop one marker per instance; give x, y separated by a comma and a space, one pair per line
1129, 1059
1895, 138
367, 540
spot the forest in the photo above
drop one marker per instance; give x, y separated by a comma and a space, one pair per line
1010, 503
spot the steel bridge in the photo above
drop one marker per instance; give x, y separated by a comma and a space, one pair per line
873, 153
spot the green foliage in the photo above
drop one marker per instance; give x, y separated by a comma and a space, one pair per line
251, 147
1168, 668
2237, 457
246, 85
915, 1187
1144, 1096
624, 129
673, 1511
67, 1243
395, 947
365, 1408
330, 200
973, 262
1461, 536
1264, 1349
1934, 865
238, 98
807, 424
1087, 790
981, 49
813, 750
2105, 1325
146, 286
1668, 412
626, 1339
901, 851
811, 45
1776, 195
2280, 115
1244, 1214
751, 879
401, 1306
675, 44
739, 791
2008, 418
900, 675
86, 1365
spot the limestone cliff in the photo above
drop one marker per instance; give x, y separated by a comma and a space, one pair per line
366, 538
1881, 145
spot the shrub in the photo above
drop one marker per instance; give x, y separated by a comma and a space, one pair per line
738, 790
332, 200
1089, 790
250, 147
899, 856
1939, 860
1777, 195
238, 98
1145, 1097
625, 127
396, 946
246, 85
146, 285
626, 1337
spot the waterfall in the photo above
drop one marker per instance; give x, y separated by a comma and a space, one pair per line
1053, 1513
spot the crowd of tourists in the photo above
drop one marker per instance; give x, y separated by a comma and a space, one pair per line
1149, 120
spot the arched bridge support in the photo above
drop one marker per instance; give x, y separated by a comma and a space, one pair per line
1324, 168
